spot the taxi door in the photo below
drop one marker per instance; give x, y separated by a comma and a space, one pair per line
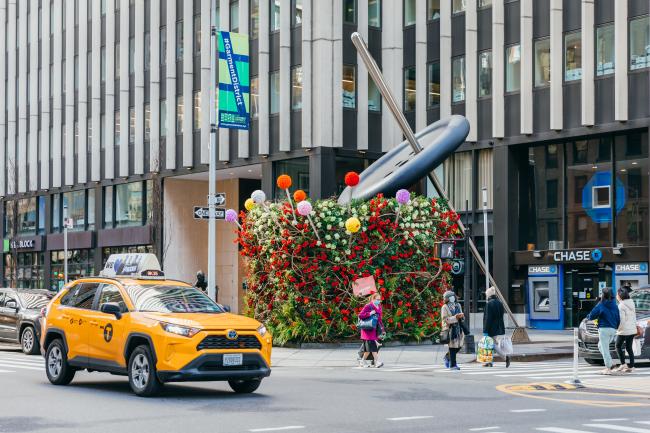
107, 332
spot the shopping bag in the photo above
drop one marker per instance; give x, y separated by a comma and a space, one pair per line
485, 353
505, 345
636, 347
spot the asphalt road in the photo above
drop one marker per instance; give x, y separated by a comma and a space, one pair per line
327, 400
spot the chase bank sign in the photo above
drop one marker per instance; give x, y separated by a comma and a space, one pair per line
563, 256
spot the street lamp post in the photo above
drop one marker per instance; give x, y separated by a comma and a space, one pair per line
485, 238
65, 244
212, 174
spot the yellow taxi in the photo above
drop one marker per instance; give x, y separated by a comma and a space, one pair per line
132, 321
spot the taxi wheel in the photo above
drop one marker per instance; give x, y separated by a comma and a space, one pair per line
28, 341
245, 386
142, 372
58, 371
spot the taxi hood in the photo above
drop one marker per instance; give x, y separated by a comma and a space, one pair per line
207, 321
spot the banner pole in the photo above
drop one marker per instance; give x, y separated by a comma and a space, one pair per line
212, 174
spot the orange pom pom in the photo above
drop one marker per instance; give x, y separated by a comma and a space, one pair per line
299, 196
284, 181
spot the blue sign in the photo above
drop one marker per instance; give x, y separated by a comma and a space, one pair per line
596, 255
602, 212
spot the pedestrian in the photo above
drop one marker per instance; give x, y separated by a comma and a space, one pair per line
201, 284
370, 337
626, 329
493, 325
452, 316
606, 312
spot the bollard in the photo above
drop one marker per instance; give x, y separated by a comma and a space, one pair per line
575, 380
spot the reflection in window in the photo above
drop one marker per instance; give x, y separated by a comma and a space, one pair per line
433, 79
147, 122
485, 176
458, 6
542, 62
640, 43
180, 114
350, 11
513, 68
409, 12
255, 97
91, 208
131, 125
485, 73
296, 88
458, 79
179, 41
349, 87
163, 118
131, 55
484, 3
234, 16
457, 171
374, 97
255, 18
374, 13
605, 50
275, 92
27, 216
75, 202
409, 88
631, 152
433, 10
298, 169
197, 35
297, 13
163, 46
197, 110
128, 204
275, 15
108, 207
572, 56
117, 128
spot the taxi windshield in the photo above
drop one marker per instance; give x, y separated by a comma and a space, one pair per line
171, 299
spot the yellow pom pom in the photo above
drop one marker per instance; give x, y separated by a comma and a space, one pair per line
249, 204
353, 225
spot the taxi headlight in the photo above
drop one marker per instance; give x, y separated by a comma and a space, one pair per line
262, 330
185, 331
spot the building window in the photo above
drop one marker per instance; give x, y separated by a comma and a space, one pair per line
349, 84
296, 19
27, 216
374, 97
433, 79
457, 175
513, 68
197, 110
180, 114
108, 207
572, 56
163, 118
350, 11
129, 200
640, 43
485, 176
458, 6
374, 13
485, 73
275, 15
163, 46
296, 88
433, 10
197, 35
605, 50
255, 98
631, 152
275, 92
255, 19
409, 12
297, 168
484, 4
90, 205
551, 193
147, 122
458, 79
179, 41
409, 88
234, 16
131, 55
116, 62
542, 62
117, 128
131, 126
102, 129
74, 203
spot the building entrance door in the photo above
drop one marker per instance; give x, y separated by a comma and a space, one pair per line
582, 289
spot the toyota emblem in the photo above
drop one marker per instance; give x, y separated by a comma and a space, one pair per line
231, 334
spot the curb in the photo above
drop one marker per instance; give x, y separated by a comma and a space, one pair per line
350, 345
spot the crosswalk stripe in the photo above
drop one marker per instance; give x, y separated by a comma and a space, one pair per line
7, 371
484, 429
541, 372
618, 428
609, 419
642, 422
561, 430
24, 367
23, 358
21, 361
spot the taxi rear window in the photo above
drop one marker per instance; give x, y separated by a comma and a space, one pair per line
165, 298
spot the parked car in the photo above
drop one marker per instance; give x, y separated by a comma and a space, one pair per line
20, 316
588, 330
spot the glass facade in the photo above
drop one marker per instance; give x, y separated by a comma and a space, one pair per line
542, 62
640, 43
374, 97
433, 78
485, 74
81, 263
409, 88
349, 84
128, 204
513, 68
24, 270
409, 12
433, 10
458, 79
296, 88
572, 56
605, 50
374, 13
298, 169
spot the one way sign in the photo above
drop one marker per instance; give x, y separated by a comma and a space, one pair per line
203, 213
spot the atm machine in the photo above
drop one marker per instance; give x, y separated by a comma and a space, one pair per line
633, 274
545, 297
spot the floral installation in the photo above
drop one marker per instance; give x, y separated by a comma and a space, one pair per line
302, 261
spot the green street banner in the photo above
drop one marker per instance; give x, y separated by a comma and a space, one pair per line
234, 88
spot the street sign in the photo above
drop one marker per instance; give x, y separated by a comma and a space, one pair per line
203, 213
219, 199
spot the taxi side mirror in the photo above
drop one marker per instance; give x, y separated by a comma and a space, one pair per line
112, 308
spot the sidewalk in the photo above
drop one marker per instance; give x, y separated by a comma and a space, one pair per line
544, 345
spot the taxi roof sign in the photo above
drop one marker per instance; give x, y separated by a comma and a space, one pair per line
132, 265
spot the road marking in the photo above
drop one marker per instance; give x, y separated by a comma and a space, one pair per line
288, 427
527, 410
640, 422
560, 430
408, 418
618, 428
16, 365
609, 419
7, 371
483, 428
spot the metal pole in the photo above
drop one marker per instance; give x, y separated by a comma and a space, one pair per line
575, 380
65, 244
485, 237
389, 99
212, 175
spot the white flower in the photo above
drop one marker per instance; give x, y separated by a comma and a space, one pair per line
336, 236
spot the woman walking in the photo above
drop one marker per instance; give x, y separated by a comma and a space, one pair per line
608, 317
493, 325
626, 330
370, 337
452, 315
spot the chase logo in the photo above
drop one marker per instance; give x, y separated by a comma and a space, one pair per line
231, 334
596, 255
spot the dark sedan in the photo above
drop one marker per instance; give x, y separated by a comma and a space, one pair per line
20, 317
588, 331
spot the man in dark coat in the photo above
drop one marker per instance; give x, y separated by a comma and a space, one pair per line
493, 325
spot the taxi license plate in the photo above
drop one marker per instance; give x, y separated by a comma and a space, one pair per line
232, 359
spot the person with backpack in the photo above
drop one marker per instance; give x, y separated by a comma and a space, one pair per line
493, 325
370, 337
606, 312
626, 329
452, 330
